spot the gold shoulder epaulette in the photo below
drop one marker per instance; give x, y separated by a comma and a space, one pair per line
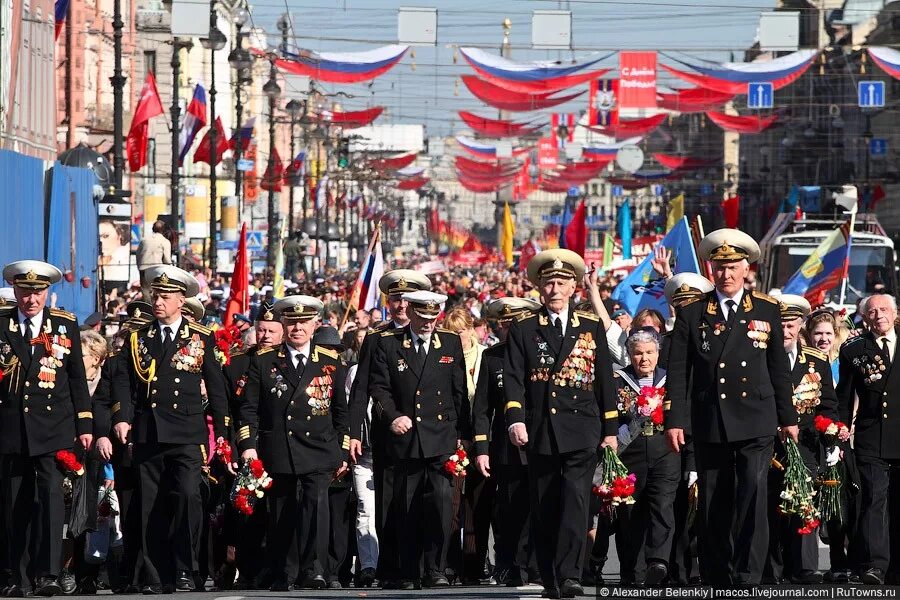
526, 316
56, 312
261, 351
326, 351
378, 327
587, 315
815, 352
239, 353
691, 301
200, 328
765, 297
390, 332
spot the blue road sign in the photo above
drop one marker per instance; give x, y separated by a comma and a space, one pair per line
870, 94
760, 95
135, 237
878, 147
255, 241
244, 164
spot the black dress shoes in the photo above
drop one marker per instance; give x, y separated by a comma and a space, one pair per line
873, 576
184, 582
151, 590
551, 592
366, 577
807, 577
406, 584
47, 586
315, 582
656, 574
14, 591
570, 588
434, 580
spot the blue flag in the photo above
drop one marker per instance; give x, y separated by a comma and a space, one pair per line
643, 288
566, 219
623, 228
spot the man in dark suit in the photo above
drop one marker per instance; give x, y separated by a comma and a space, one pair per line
418, 384
369, 432
728, 344
560, 406
294, 418
496, 457
44, 405
793, 556
867, 373
162, 415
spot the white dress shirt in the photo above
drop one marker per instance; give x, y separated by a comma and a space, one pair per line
562, 315
723, 299
416, 339
301, 351
173, 326
34, 323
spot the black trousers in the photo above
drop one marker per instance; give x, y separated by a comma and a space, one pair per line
560, 486
683, 559
478, 505
879, 522
33, 511
299, 518
648, 524
342, 512
733, 485
250, 539
171, 508
512, 520
386, 510
425, 492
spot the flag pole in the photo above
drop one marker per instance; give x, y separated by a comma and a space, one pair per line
849, 245
354, 294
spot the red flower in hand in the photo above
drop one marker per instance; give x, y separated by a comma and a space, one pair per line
256, 468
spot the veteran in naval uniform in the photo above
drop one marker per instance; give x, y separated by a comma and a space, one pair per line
560, 407
867, 373
496, 456
44, 406
417, 382
728, 345
369, 431
161, 412
294, 418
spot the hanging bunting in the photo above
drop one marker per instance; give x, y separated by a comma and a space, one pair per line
748, 124
607, 152
342, 67
886, 58
393, 163
693, 100
504, 99
350, 119
483, 150
631, 127
413, 183
497, 128
683, 163
537, 76
467, 164
733, 77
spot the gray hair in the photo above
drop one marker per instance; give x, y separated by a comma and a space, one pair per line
891, 300
641, 336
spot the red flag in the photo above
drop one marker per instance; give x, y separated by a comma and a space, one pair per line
149, 105
526, 253
272, 181
203, 154
731, 211
239, 298
576, 231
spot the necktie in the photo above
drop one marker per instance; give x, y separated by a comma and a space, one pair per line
301, 362
421, 350
885, 346
26, 333
167, 336
557, 325
732, 310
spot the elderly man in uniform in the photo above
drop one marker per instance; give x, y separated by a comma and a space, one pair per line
560, 407
44, 405
728, 345
162, 410
496, 457
867, 373
418, 385
794, 556
294, 418
369, 432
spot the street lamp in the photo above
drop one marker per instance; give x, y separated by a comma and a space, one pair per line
294, 108
272, 90
177, 45
215, 41
241, 61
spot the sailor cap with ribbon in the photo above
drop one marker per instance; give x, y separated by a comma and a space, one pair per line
686, 286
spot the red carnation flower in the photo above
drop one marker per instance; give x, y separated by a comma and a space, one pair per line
256, 468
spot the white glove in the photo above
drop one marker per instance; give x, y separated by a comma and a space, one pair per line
832, 456
691, 477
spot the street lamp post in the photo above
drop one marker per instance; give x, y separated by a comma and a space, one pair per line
294, 107
215, 41
241, 61
175, 111
118, 84
272, 90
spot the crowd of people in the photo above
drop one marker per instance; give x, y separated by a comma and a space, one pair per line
458, 435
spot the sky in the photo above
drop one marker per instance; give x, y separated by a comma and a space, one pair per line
425, 88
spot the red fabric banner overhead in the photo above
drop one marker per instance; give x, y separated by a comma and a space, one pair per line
674, 162
482, 187
504, 99
413, 183
731, 211
548, 154
693, 100
632, 127
352, 118
496, 128
748, 124
465, 163
392, 163
637, 79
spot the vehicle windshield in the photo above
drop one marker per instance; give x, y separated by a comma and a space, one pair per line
869, 266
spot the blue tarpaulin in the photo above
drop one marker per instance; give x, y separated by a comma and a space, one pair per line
22, 206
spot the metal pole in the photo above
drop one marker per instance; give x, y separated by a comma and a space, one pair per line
316, 202
118, 84
214, 144
273, 234
176, 131
291, 179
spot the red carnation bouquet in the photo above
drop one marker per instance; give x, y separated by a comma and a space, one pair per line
831, 480
68, 463
249, 486
228, 341
797, 497
223, 451
612, 481
457, 463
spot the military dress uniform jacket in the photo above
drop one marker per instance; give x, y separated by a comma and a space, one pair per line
359, 393
44, 398
159, 394
236, 372
488, 423
741, 375
866, 372
561, 389
296, 421
433, 395
813, 395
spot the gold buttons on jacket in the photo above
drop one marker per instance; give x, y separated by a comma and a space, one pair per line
155, 378
25, 397
552, 411
418, 393
743, 394
440, 417
27, 384
722, 380
553, 394
174, 406
176, 392
177, 380
418, 405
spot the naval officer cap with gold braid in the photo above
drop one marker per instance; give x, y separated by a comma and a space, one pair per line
557, 262
169, 278
427, 305
793, 307
401, 281
34, 275
728, 245
299, 308
686, 286
507, 309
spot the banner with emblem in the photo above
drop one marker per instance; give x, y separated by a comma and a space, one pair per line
643, 288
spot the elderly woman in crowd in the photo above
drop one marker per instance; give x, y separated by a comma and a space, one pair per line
647, 525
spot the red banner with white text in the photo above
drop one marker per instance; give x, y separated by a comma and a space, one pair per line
637, 80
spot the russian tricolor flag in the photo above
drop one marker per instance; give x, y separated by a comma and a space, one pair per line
60, 11
823, 270
367, 295
194, 121
244, 135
